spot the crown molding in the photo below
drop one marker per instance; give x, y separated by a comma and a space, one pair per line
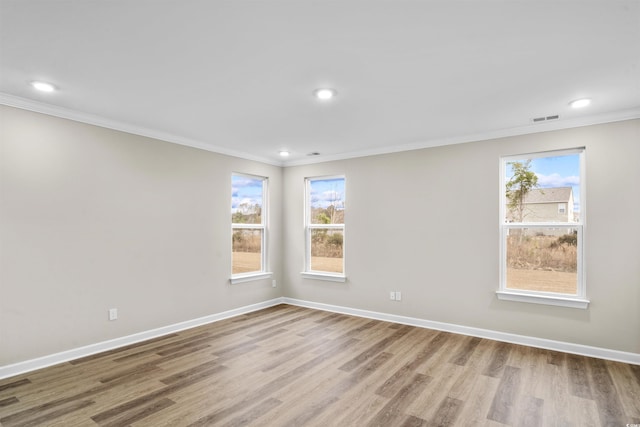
616, 116
93, 119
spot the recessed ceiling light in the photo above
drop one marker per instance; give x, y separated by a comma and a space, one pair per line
43, 86
284, 153
325, 94
579, 103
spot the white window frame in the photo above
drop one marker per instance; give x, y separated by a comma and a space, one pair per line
315, 274
263, 273
579, 300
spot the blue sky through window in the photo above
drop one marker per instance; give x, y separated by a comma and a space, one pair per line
325, 192
245, 190
556, 171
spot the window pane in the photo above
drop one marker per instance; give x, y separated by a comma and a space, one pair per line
326, 197
542, 259
327, 249
536, 188
247, 250
246, 200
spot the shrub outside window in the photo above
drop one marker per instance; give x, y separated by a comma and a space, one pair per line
542, 216
325, 230
248, 225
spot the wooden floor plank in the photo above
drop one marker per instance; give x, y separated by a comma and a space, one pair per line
627, 388
139, 413
394, 411
603, 390
392, 385
578, 376
323, 401
374, 349
14, 384
465, 351
478, 401
447, 412
298, 350
413, 421
40, 418
530, 412
272, 386
254, 413
290, 365
425, 405
9, 401
505, 397
499, 358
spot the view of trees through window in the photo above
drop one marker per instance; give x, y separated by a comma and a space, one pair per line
326, 225
542, 223
247, 224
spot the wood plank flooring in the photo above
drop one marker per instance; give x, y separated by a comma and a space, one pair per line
293, 366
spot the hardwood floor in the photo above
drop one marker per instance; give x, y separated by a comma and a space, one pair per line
292, 366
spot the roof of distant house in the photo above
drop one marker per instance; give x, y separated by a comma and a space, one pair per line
548, 195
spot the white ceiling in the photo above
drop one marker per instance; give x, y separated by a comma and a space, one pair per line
237, 77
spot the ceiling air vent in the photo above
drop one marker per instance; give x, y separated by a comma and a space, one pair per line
545, 118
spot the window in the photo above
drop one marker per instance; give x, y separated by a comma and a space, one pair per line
248, 230
542, 213
324, 226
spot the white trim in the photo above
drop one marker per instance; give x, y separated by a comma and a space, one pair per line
577, 300
96, 120
65, 356
308, 273
250, 277
545, 153
596, 119
565, 347
327, 226
247, 226
263, 226
538, 298
324, 276
66, 113
77, 353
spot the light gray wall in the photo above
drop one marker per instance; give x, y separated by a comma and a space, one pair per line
92, 218
425, 223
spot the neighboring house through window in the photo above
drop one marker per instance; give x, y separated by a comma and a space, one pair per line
545, 205
562, 208
325, 229
542, 227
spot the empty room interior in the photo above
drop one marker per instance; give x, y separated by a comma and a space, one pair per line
301, 213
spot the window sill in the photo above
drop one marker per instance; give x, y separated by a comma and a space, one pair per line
324, 276
543, 299
250, 277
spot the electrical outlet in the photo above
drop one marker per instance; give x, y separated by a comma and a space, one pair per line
398, 295
273, 283
392, 296
113, 314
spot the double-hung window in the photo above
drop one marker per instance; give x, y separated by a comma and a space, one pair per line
324, 228
542, 217
248, 228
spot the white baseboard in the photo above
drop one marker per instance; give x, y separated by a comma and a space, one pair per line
77, 353
583, 350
